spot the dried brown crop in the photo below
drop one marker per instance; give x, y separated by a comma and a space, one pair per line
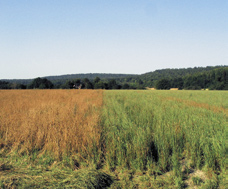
58, 121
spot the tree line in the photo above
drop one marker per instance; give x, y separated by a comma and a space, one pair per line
216, 79
190, 78
96, 83
44, 83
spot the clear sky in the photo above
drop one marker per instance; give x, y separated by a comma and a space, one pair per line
55, 37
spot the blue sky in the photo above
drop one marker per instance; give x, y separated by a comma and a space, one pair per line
55, 37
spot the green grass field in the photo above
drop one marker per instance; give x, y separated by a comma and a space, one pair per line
147, 139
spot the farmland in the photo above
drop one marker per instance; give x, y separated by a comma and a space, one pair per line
116, 139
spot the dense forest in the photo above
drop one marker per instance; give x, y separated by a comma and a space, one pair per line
213, 78
61, 79
216, 79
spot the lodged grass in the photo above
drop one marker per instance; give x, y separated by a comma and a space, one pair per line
22, 172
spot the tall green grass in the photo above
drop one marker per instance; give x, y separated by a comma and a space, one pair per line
128, 133
145, 130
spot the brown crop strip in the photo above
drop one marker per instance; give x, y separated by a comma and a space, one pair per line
57, 121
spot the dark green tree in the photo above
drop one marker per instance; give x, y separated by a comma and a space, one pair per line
163, 84
112, 84
41, 83
96, 80
5, 85
68, 85
125, 86
87, 83
99, 85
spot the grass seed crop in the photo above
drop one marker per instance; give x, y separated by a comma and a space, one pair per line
116, 139
62, 122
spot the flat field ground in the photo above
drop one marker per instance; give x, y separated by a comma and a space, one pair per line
113, 139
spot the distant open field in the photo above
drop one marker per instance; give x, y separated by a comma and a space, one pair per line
113, 139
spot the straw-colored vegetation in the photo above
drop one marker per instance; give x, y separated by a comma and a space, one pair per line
60, 122
117, 139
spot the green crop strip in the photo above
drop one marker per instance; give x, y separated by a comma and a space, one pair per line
146, 132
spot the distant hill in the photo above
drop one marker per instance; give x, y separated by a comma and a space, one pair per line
212, 77
63, 78
149, 79
90, 76
174, 73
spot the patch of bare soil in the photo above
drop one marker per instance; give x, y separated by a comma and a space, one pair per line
197, 173
189, 173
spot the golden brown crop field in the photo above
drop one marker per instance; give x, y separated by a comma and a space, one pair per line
64, 122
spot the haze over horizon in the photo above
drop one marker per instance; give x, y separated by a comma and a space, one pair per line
47, 38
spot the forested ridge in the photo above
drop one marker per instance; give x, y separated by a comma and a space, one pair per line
63, 78
189, 78
214, 78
